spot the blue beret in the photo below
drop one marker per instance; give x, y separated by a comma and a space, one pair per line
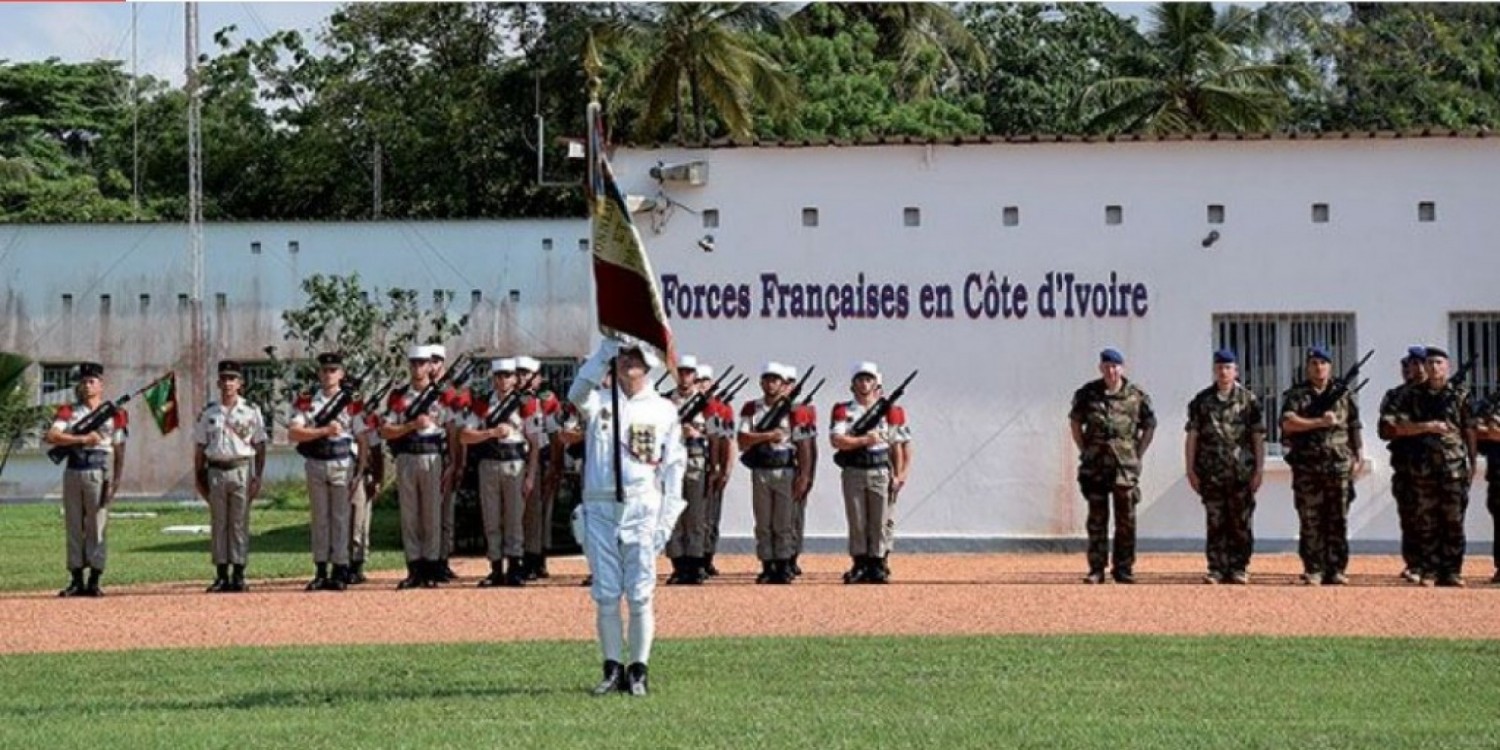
1319, 352
1224, 357
1433, 351
1113, 356
1416, 353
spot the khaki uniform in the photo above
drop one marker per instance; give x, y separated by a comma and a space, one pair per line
229, 438
537, 519
85, 486
329, 468
502, 473
369, 444
1226, 426
419, 477
1321, 462
772, 466
804, 431
1109, 467
866, 474
690, 536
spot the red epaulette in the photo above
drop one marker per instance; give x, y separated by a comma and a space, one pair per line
396, 402
841, 411
462, 400
748, 410
122, 419
303, 402
896, 416
64, 412
803, 416
480, 407
356, 407
530, 405
550, 404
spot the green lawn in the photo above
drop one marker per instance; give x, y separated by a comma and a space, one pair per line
993, 692
33, 547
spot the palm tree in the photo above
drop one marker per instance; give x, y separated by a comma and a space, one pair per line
699, 56
932, 47
1199, 73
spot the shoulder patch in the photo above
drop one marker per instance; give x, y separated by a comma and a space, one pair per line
64, 412
803, 416
303, 402
840, 412
529, 407
121, 419
748, 410
896, 416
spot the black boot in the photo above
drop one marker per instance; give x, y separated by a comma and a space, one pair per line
857, 571
495, 577
635, 679
708, 565
339, 580
75, 584
533, 565
614, 678
515, 575
413, 578
445, 571
781, 572
320, 578
221, 579
237, 579
432, 573
92, 588
539, 566
793, 568
357, 572
676, 576
765, 572
880, 571
693, 574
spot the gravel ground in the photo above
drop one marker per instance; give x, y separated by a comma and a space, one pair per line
929, 595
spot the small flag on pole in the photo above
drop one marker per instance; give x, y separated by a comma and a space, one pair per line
161, 398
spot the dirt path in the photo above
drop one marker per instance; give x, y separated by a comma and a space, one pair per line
931, 594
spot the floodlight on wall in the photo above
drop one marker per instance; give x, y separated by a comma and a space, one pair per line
706, 244
692, 172
639, 204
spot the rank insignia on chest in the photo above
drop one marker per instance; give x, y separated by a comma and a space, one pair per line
643, 443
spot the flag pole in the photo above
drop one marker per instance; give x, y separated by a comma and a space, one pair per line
595, 146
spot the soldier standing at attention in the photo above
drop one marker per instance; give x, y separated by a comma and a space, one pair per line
1225, 454
1487, 436
1112, 424
417, 441
685, 548
369, 473
805, 438
329, 457
868, 474
229, 435
1402, 455
506, 445
767, 450
537, 519
1437, 414
1324, 453
721, 445
91, 478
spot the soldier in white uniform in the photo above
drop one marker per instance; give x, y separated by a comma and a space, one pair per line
504, 436
96, 459
325, 439
622, 539
229, 436
416, 437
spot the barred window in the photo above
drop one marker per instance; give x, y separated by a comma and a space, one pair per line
58, 380
1476, 335
1272, 347
558, 374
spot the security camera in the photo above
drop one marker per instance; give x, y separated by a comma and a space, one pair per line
1212, 237
693, 172
707, 243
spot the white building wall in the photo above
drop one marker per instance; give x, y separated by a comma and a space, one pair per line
993, 458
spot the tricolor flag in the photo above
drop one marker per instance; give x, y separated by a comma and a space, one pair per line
625, 287
161, 398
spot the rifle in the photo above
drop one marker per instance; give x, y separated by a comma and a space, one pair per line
808, 399
340, 401
783, 406
1462, 374
696, 403
1337, 389
870, 419
93, 422
507, 407
735, 388
455, 377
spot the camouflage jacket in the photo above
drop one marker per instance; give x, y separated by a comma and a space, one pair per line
1326, 450
1437, 456
1403, 450
1110, 425
1226, 427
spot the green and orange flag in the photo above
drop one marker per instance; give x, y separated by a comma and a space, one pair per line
161, 398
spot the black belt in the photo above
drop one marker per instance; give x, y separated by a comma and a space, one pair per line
497, 451
324, 449
88, 460
424, 445
862, 459
238, 463
759, 457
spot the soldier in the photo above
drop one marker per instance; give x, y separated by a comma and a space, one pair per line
721, 465
805, 438
329, 465
1225, 457
417, 441
1487, 436
95, 466
767, 450
624, 520
369, 472
685, 548
229, 435
455, 401
1437, 414
1324, 454
869, 474
1402, 455
1112, 424
537, 519
505, 438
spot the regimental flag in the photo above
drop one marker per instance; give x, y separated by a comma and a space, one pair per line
625, 288
161, 398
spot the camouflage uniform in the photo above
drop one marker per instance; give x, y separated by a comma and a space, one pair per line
1490, 449
1322, 461
1440, 476
1109, 466
1224, 462
1402, 489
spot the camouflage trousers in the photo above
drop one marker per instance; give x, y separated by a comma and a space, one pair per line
1441, 503
1322, 502
1231, 536
1492, 501
1102, 498
1405, 494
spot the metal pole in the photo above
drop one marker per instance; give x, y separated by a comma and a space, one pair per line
197, 394
135, 114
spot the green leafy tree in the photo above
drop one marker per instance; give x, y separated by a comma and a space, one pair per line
18, 415
930, 44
